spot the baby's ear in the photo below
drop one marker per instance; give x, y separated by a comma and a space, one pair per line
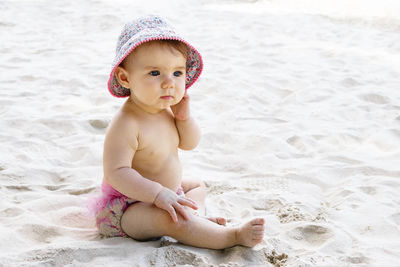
122, 76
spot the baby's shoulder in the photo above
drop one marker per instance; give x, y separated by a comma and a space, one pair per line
123, 129
124, 120
123, 124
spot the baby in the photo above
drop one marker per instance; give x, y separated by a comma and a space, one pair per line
143, 193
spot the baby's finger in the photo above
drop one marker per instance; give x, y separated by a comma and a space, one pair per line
182, 211
172, 212
191, 200
188, 202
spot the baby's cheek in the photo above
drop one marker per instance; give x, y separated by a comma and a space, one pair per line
180, 98
182, 91
176, 101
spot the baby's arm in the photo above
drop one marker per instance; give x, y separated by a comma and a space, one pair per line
189, 131
119, 148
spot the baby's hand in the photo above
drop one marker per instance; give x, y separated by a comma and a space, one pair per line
181, 110
168, 200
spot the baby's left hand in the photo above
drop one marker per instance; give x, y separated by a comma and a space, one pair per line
181, 110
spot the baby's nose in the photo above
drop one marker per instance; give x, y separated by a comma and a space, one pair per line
168, 83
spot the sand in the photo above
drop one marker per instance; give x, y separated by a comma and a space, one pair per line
299, 106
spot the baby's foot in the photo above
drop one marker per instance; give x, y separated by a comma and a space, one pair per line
251, 233
217, 220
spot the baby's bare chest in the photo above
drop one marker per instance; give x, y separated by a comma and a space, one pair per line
157, 141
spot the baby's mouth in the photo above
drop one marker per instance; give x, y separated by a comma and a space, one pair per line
167, 97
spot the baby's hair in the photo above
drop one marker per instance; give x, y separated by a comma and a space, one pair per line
175, 44
178, 45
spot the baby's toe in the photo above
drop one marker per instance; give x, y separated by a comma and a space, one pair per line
221, 220
258, 227
258, 221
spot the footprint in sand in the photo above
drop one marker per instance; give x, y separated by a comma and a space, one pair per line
312, 234
395, 218
18, 188
99, 124
173, 256
80, 191
297, 143
358, 258
374, 98
368, 190
350, 82
11, 212
261, 257
291, 214
39, 233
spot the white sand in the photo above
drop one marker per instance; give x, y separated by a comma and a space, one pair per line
299, 105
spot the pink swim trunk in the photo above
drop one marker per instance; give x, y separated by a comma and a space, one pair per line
109, 208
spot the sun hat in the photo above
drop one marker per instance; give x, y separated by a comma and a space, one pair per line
147, 29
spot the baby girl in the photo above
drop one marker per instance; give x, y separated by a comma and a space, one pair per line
144, 195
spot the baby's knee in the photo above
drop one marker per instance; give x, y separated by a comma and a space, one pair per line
201, 185
191, 184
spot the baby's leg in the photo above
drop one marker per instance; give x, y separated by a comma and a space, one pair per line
143, 221
196, 190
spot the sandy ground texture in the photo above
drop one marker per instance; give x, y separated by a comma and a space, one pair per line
299, 106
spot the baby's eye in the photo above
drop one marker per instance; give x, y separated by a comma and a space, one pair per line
178, 73
154, 73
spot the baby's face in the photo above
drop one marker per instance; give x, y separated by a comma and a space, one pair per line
156, 75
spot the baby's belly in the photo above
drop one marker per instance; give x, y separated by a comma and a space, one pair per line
167, 172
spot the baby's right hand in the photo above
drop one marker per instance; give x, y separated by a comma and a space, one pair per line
168, 200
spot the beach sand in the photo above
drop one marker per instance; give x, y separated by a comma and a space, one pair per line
299, 106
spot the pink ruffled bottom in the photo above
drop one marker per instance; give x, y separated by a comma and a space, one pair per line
108, 209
